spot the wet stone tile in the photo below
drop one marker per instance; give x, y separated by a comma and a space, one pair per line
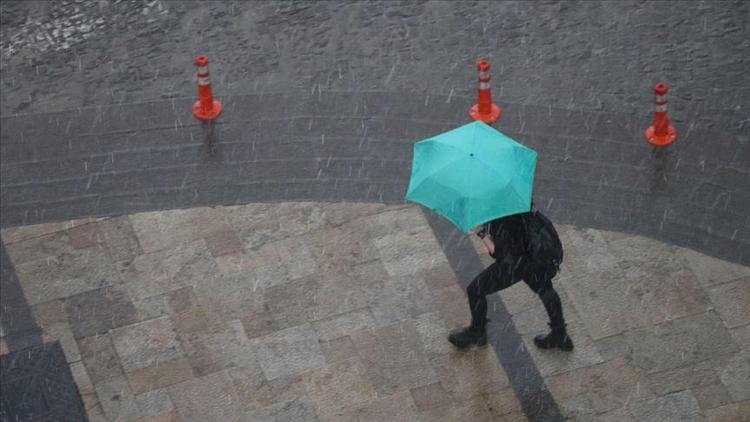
741, 336
675, 407
433, 334
61, 332
475, 409
160, 272
440, 276
339, 213
599, 388
212, 345
394, 358
735, 375
49, 313
66, 273
369, 272
224, 243
37, 248
288, 351
314, 299
116, 399
677, 343
271, 264
258, 224
408, 253
340, 384
397, 220
20, 233
154, 403
712, 271
344, 246
588, 252
294, 409
85, 386
453, 305
729, 412
161, 230
613, 302
147, 344
732, 302
502, 403
257, 392
398, 298
338, 349
169, 303
99, 357
231, 296
120, 239
666, 297
693, 376
471, 373
209, 398
162, 375
650, 257
290, 259
711, 396
170, 416
396, 407
258, 324
432, 398
98, 311
85, 236
344, 324
618, 415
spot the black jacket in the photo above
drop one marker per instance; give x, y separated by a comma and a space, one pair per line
511, 239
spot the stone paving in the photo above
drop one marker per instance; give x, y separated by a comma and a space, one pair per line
339, 311
155, 312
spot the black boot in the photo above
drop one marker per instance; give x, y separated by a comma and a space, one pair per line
468, 336
558, 338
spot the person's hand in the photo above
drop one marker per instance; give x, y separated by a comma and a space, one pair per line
480, 231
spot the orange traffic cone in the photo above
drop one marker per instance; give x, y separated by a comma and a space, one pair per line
206, 108
484, 110
661, 133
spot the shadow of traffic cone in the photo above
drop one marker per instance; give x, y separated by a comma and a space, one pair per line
661, 133
206, 108
484, 110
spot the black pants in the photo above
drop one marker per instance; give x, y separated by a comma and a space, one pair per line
495, 278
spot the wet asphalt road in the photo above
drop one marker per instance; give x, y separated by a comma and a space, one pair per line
570, 55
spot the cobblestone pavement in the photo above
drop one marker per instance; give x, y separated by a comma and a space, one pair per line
325, 311
575, 55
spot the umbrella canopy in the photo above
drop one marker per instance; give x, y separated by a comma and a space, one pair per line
472, 174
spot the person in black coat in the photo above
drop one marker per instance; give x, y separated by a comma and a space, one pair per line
510, 242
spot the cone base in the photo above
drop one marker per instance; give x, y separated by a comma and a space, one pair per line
202, 114
661, 141
487, 118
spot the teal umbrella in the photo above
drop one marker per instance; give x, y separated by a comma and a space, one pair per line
472, 174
